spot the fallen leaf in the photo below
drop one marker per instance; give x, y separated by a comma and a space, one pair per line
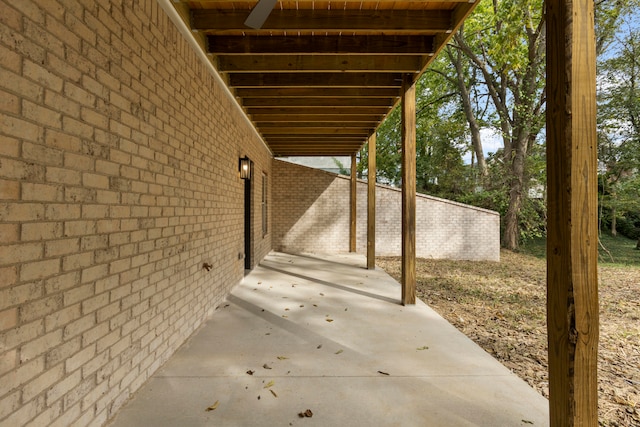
346, 309
321, 294
286, 309
259, 283
527, 422
339, 351
250, 372
315, 305
265, 366
424, 347
329, 320
282, 357
285, 316
213, 407
301, 305
274, 393
270, 384
320, 346
383, 373
307, 414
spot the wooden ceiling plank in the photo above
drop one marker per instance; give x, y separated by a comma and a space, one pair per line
401, 21
353, 45
316, 80
317, 63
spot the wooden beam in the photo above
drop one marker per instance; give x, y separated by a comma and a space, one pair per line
318, 63
336, 130
315, 80
319, 153
303, 92
352, 45
572, 232
318, 102
426, 22
273, 119
297, 139
408, 191
310, 111
365, 125
343, 1
352, 205
371, 204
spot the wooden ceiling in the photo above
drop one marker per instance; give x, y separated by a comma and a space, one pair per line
320, 76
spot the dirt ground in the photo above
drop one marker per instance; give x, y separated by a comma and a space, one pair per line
501, 306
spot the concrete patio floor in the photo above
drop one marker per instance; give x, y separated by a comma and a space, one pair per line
325, 334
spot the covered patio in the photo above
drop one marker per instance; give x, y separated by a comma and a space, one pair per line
125, 219
330, 336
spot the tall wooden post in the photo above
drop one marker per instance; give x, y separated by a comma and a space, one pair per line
572, 234
353, 206
371, 204
408, 190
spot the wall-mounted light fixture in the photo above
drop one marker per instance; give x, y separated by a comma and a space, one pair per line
245, 168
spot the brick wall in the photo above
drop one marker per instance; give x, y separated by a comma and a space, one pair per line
311, 214
118, 179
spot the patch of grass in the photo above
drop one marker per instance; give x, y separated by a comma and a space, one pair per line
622, 250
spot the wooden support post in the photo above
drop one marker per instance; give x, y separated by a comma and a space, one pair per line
572, 234
353, 206
408, 190
371, 204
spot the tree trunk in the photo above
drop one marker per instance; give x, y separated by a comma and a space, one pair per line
476, 141
614, 232
511, 236
638, 244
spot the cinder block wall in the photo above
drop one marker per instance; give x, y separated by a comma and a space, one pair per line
118, 180
311, 214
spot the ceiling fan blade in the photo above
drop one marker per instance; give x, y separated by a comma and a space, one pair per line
260, 13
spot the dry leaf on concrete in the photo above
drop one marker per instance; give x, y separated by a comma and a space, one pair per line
213, 407
307, 414
270, 384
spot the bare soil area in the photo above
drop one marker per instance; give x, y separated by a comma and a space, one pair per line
502, 307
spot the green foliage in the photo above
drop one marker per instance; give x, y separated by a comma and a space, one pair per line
621, 249
619, 137
500, 56
342, 170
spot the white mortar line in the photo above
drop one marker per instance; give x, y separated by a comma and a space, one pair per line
186, 32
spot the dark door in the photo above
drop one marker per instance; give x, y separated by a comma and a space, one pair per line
247, 224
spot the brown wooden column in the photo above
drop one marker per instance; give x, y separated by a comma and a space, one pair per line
408, 190
572, 240
353, 206
371, 204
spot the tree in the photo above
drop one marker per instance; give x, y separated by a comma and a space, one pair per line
619, 128
504, 42
440, 139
